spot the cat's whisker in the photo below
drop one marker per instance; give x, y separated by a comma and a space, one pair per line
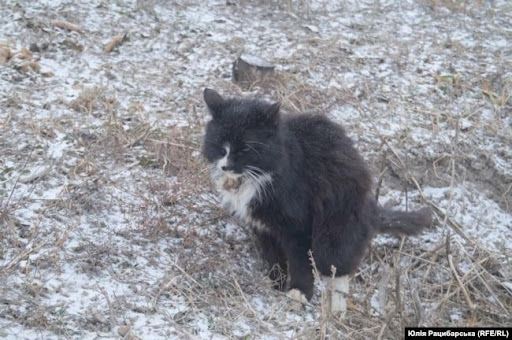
259, 181
267, 146
254, 142
252, 148
254, 179
259, 185
255, 168
263, 173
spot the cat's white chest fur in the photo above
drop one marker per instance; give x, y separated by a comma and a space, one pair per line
237, 200
237, 197
236, 191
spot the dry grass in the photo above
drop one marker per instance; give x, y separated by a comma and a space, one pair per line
434, 278
461, 6
420, 287
124, 228
94, 100
415, 287
294, 94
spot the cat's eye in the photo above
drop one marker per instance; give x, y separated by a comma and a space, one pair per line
246, 148
223, 152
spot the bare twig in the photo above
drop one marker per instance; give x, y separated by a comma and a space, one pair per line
110, 307
256, 315
471, 306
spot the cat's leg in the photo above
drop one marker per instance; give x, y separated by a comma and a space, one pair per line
273, 254
299, 268
343, 249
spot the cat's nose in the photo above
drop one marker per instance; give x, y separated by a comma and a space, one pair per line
227, 168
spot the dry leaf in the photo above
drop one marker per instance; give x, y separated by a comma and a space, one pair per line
47, 74
27, 65
23, 61
67, 26
5, 52
487, 91
113, 43
23, 54
486, 87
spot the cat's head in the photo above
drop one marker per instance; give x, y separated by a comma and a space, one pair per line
243, 136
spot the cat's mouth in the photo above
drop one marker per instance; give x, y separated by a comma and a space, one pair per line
227, 180
232, 181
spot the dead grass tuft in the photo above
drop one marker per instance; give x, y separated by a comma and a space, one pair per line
135, 207
450, 84
24, 61
295, 95
5, 52
114, 42
461, 6
67, 26
499, 97
94, 99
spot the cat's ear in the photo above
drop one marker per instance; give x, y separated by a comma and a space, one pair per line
214, 101
272, 113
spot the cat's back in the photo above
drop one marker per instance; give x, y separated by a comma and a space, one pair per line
328, 152
317, 133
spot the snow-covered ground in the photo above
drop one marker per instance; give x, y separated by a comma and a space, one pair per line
110, 228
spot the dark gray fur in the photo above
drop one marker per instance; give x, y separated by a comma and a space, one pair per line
320, 198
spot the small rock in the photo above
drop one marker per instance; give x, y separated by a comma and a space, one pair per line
249, 68
34, 48
123, 330
312, 28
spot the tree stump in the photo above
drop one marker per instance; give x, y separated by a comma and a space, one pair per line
248, 69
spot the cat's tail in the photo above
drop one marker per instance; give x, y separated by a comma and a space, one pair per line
402, 222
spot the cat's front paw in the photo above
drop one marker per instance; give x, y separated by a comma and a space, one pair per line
339, 289
297, 295
338, 304
298, 299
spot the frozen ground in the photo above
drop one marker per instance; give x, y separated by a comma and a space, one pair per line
109, 227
